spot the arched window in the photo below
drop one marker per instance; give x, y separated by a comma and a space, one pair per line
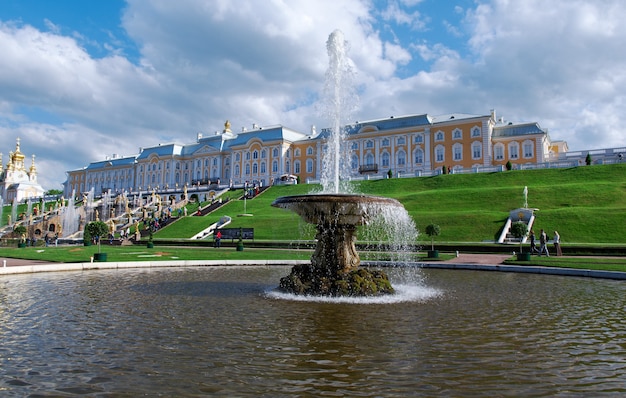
369, 144
440, 153
297, 152
477, 150
457, 152
354, 162
275, 152
247, 155
369, 159
309, 166
439, 136
401, 158
296, 167
287, 168
385, 159
255, 169
263, 168
247, 169
275, 166
419, 139
513, 150
309, 151
255, 154
401, 141
528, 149
385, 142
498, 151
457, 134
263, 154
236, 170
475, 131
355, 145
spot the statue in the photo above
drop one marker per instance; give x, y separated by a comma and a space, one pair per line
526, 197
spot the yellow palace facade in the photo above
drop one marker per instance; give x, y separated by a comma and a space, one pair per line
414, 145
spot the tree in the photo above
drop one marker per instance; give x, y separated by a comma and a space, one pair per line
20, 231
97, 229
588, 159
432, 230
519, 230
509, 165
54, 192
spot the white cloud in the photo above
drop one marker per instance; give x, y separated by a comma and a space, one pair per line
202, 62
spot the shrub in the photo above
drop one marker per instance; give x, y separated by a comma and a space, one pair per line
509, 165
97, 229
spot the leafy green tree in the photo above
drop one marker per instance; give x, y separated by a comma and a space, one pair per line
97, 229
519, 230
432, 230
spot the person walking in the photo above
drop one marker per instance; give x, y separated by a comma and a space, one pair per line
543, 240
557, 244
533, 244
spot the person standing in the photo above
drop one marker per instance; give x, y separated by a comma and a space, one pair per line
218, 239
557, 244
543, 239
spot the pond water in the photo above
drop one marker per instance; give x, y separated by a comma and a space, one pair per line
218, 331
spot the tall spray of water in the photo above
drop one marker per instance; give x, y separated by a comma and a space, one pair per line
339, 102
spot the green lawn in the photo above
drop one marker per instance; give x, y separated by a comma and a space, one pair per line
585, 204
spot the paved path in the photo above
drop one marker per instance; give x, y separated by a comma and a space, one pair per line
486, 259
12, 262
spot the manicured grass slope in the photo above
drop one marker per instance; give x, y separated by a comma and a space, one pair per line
585, 204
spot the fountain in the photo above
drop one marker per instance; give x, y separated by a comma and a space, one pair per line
14, 211
69, 218
1, 209
334, 268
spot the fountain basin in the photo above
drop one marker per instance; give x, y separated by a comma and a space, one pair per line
334, 264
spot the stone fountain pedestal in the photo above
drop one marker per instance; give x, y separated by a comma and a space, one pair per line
334, 268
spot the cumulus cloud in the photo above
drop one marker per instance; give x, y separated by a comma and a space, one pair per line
202, 62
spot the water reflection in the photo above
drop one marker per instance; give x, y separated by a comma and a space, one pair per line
215, 331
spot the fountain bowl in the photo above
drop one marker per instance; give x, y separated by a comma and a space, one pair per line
335, 209
334, 264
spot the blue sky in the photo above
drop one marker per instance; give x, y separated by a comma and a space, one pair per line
81, 80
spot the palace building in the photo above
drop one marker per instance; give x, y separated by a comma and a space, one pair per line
17, 182
415, 145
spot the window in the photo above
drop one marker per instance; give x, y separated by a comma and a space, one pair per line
296, 167
255, 155
528, 149
275, 152
401, 141
419, 139
355, 146
309, 151
439, 154
247, 169
255, 169
385, 142
297, 152
274, 166
401, 158
263, 168
369, 144
385, 159
236, 170
309, 166
215, 161
369, 159
439, 136
498, 151
513, 150
457, 152
457, 134
477, 151
287, 168
247, 155
475, 132
263, 154
237, 157
354, 162
419, 156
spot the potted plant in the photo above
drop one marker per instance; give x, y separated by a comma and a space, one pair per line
20, 231
98, 229
519, 230
433, 230
150, 244
240, 242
